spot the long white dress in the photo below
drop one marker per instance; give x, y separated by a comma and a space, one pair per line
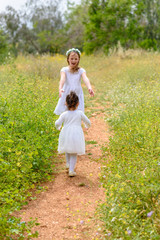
72, 83
71, 138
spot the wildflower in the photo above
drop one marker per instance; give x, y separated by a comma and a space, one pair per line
109, 234
150, 214
117, 176
113, 219
129, 232
112, 210
81, 222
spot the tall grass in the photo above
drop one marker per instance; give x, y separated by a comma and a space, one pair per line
130, 175
28, 139
127, 86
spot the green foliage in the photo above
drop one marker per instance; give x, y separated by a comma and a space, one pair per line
72, 34
3, 47
148, 44
89, 26
28, 141
35, 29
130, 22
131, 176
11, 25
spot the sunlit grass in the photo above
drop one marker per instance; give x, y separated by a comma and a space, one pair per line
28, 137
127, 91
132, 87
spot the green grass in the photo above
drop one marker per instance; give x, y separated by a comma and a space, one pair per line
91, 142
128, 90
131, 178
28, 141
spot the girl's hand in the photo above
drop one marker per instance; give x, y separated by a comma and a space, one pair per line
60, 92
91, 92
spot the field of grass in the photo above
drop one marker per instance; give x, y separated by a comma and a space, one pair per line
28, 139
128, 87
129, 90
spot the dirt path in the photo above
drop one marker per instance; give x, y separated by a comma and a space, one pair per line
67, 209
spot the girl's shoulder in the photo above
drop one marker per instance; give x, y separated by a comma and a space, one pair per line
64, 114
81, 70
80, 112
65, 69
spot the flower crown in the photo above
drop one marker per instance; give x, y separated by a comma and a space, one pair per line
73, 50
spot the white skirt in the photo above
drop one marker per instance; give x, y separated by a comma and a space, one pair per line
71, 140
61, 105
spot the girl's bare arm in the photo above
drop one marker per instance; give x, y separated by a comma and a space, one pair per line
87, 82
61, 83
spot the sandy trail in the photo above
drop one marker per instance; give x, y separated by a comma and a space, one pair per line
67, 209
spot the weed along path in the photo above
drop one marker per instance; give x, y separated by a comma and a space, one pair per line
67, 209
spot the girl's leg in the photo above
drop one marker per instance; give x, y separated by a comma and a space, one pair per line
73, 160
67, 160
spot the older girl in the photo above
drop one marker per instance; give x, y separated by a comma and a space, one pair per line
71, 81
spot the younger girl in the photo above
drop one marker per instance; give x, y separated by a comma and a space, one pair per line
71, 138
71, 81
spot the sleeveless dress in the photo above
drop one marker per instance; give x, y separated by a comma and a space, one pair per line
72, 83
71, 137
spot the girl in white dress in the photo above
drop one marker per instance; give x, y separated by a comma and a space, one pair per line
71, 81
71, 138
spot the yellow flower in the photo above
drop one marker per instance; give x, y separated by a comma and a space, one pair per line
18, 153
121, 190
138, 202
117, 176
18, 164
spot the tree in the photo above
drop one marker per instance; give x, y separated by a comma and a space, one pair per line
4, 48
42, 22
74, 30
35, 28
11, 25
132, 22
152, 24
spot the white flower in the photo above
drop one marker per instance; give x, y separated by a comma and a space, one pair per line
113, 219
73, 50
112, 209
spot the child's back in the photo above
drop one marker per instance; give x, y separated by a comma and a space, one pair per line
71, 139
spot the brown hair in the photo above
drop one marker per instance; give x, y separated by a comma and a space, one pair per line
72, 100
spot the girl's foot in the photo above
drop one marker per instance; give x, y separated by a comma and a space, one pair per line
72, 174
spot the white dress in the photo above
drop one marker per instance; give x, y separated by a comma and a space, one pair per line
72, 83
71, 138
